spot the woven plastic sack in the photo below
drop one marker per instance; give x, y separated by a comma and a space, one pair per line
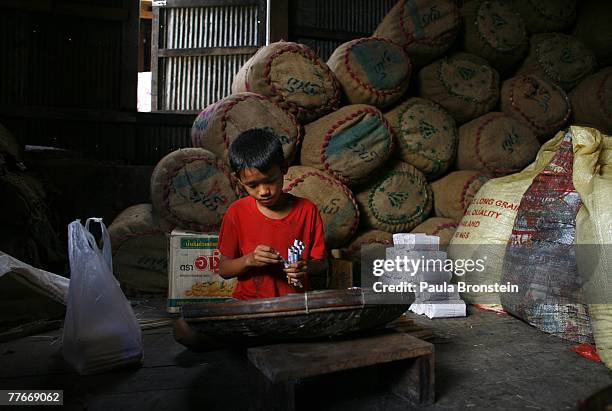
371, 70
351, 143
496, 144
543, 16
100, 331
397, 201
218, 125
425, 28
559, 58
426, 135
294, 77
592, 101
334, 200
594, 233
465, 85
540, 104
494, 31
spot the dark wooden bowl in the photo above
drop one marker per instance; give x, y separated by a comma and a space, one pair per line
310, 315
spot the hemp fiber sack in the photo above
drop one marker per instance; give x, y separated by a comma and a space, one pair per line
440, 226
494, 31
140, 251
367, 238
594, 233
334, 200
294, 77
592, 100
397, 201
350, 144
559, 58
191, 189
496, 144
425, 28
371, 70
426, 135
536, 102
219, 124
9, 146
454, 193
542, 16
465, 85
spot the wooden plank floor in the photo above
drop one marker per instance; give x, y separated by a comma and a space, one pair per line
484, 361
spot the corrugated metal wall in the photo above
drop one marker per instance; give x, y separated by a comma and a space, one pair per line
195, 61
325, 24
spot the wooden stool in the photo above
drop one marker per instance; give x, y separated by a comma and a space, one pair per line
410, 360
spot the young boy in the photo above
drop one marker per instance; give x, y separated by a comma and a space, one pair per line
257, 230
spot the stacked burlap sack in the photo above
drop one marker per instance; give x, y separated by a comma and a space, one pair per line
398, 132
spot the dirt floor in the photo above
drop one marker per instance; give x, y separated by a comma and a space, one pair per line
483, 362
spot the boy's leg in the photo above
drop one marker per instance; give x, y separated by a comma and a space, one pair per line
193, 340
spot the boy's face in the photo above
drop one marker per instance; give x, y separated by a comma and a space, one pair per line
265, 187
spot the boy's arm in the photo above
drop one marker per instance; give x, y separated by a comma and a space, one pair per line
233, 267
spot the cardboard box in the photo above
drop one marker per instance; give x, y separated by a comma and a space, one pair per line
193, 270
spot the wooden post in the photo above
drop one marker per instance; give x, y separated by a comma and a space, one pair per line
279, 20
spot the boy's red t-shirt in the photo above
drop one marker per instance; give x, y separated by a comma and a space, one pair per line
244, 227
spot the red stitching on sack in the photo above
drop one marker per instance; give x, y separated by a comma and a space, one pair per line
330, 132
494, 171
236, 100
465, 188
531, 122
166, 190
363, 84
443, 227
309, 54
300, 179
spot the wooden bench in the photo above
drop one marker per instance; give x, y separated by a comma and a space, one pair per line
410, 361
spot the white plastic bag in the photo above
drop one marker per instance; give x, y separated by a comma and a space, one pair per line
100, 330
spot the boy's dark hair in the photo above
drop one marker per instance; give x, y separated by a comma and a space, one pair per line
256, 148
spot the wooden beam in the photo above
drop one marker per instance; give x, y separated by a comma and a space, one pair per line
279, 20
323, 34
207, 51
203, 3
128, 94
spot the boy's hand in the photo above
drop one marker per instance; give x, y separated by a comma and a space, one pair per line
296, 273
263, 255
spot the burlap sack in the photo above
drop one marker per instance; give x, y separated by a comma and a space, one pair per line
463, 84
494, 31
220, 123
140, 251
496, 144
543, 16
425, 28
9, 146
536, 102
592, 100
594, 30
426, 135
594, 234
371, 70
397, 201
454, 193
369, 237
294, 77
559, 58
192, 189
351, 143
439, 226
334, 200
